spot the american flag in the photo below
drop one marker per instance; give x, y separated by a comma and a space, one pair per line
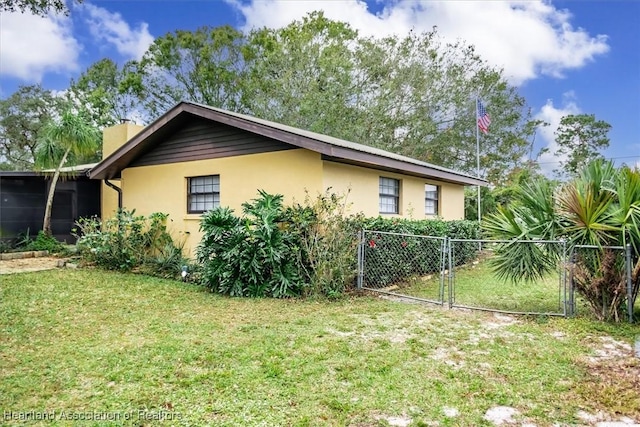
483, 118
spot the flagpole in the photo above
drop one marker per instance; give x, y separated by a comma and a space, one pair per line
478, 158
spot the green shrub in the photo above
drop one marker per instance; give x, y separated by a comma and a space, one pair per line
249, 256
24, 242
128, 241
310, 249
391, 258
44, 242
301, 250
327, 242
457, 229
165, 261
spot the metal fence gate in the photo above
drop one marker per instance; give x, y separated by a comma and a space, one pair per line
404, 265
462, 272
459, 273
475, 283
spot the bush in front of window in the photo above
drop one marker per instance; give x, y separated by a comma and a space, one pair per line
301, 250
250, 256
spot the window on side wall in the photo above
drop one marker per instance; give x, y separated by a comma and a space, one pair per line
431, 196
389, 195
203, 193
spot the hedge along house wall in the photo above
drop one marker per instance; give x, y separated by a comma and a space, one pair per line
401, 254
247, 154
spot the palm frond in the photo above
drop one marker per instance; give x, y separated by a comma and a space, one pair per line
48, 153
529, 262
588, 214
72, 132
626, 214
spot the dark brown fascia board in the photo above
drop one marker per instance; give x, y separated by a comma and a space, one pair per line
19, 174
28, 174
337, 153
112, 165
407, 170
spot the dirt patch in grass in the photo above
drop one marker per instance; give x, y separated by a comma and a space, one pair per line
394, 420
614, 377
24, 265
361, 361
499, 415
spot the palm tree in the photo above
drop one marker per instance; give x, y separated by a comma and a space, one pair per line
599, 207
68, 139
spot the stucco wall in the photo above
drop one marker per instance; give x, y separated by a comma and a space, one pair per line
452, 201
113, 138
363, 197
163, 188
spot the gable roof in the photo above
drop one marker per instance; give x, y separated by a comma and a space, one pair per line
330, 148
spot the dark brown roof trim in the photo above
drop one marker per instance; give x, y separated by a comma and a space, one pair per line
19, 174
331, 148
401, 169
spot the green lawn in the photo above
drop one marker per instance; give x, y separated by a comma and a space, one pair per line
91, 343
476, 285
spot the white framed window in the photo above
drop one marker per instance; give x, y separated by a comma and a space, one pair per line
431, 197
203, 193
389, 195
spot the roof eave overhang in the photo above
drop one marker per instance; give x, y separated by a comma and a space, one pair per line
111, 167
343, 154
411, 170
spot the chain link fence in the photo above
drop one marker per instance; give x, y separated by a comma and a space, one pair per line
603, 276
403, 264
460, 272
480, 282
476, 274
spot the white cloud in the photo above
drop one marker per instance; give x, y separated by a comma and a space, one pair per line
110, 27
33, 45
552, 115
527, 38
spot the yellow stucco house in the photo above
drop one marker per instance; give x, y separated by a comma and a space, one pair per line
195, 157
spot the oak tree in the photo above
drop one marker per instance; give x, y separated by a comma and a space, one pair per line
580, 139
22, 116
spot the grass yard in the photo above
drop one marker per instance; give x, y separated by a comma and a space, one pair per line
145, 351
476, 285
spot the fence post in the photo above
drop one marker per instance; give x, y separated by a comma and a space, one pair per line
443, 267
360, 258
570, 310
450, 278
563, 277
630, 300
